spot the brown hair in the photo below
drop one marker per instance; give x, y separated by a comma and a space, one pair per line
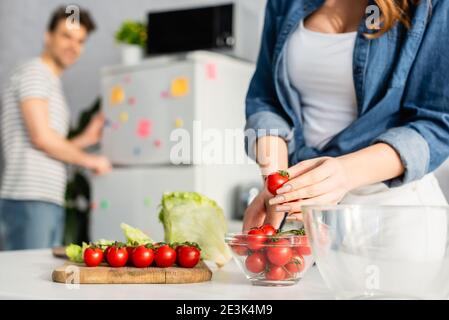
60, 14
394, 11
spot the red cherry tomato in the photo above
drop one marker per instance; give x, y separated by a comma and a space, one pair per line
117, 256
164, 256
142, 257
256, 239
304, 250
279, 252
256, 262
296, 264
238, 245
276, 273
93, 257
130, 255
269, 230
187, 256
276, 180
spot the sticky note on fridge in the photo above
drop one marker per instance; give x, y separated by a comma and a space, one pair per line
179, 123
165, 94
144, 128
137, 151
179, 87
157, 143
123, 116
117, 95
211, 71
132, 101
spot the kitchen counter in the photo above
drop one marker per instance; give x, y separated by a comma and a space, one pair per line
27, 275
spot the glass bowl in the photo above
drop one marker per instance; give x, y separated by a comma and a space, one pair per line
271, 261
381, 252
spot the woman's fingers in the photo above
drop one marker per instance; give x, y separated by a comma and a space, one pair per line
295, 207
302, 167
323, 171
311, 191
274, 218
255, 213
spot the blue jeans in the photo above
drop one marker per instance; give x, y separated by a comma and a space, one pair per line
27, 224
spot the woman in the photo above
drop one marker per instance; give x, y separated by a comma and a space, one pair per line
360, 115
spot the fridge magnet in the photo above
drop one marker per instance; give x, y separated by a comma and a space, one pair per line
104, 204
94, 206
117, 95
179, 87
211, 71
165, 94
132, 101
179, 123
136, 151
157, 143
115, 126
147, 201
144, 127
123, 116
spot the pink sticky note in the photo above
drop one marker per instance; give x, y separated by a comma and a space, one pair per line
157, 143
144, 128
115, 125
165, 94
127, 79
211, 71
93, 206
132, 101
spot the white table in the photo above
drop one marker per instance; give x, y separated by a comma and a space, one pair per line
27, 275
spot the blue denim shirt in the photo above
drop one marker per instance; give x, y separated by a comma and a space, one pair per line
401, 81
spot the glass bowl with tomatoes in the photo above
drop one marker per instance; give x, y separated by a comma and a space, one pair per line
268, 257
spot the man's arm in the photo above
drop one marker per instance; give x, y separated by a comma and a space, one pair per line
43, 137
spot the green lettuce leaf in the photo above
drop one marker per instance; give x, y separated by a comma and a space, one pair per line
75, 252
135, 236
190, 216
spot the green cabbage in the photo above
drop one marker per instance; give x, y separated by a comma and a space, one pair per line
190, 216
134, 236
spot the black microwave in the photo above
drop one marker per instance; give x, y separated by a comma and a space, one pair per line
190, 29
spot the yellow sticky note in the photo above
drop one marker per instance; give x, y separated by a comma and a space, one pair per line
179, 87
123, 116
117, 95
179, 123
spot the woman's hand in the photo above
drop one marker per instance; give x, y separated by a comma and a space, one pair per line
317, 181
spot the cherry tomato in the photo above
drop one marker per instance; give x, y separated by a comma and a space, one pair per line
142, 257
276, 273
130, 255
304, 250
276, 180
105, 254
296, 264
117, 256
187, 256
278, 252
93, 256
256, 239
164, 256
269, 230
256, 262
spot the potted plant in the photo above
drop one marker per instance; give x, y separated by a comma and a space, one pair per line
132, 36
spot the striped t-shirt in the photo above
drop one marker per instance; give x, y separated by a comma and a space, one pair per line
28, 173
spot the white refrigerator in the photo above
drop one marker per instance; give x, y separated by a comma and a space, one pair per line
173, 123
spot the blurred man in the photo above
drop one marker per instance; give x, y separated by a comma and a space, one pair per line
34, 122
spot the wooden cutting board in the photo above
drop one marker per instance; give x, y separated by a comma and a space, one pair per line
103, 274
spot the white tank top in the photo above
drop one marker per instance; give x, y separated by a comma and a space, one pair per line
320, 68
